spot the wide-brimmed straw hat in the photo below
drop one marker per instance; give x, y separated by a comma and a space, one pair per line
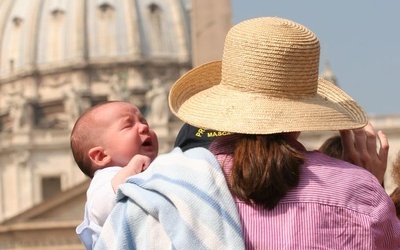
266, 83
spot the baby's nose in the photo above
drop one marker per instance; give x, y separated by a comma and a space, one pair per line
143, 128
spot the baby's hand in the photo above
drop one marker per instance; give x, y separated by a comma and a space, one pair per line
137, 164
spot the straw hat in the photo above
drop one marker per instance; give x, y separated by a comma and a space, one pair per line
266, 83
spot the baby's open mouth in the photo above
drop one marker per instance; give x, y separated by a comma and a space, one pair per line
147, 142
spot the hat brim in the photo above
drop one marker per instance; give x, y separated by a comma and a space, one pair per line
199, 99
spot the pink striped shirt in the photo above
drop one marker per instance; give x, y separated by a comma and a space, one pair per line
336, 206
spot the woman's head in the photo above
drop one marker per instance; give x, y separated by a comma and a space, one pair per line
395, 195
332, 147
267, 82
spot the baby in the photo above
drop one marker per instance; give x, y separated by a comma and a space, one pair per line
110, 142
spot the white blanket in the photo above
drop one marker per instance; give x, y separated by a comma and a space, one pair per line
180, 202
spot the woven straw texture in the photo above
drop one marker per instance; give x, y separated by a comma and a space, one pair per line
266, 83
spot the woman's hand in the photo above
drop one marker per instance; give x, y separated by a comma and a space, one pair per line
360, 148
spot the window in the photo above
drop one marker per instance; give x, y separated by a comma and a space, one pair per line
50, 186
156, 27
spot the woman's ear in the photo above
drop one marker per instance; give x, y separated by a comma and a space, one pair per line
99, 157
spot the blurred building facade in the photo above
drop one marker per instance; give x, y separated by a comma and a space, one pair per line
57, 59
60, 57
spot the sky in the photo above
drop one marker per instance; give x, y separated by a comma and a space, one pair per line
359, 38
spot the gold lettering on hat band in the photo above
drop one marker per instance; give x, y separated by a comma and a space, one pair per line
217, 133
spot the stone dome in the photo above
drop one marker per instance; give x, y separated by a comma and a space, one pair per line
93, 50
60, 57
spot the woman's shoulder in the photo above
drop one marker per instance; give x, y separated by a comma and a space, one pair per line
335, 182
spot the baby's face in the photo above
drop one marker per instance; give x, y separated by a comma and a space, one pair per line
125, 133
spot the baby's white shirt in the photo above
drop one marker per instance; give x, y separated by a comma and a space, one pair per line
100, 202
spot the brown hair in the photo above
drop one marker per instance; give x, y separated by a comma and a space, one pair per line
83, 138
333, 147
395, 196
265, 168
396, 169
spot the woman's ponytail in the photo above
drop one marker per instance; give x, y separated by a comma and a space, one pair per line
265, 168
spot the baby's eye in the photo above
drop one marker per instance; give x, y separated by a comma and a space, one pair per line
144, 121
126, 126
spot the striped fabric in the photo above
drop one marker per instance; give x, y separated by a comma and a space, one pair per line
180, 202
336, 206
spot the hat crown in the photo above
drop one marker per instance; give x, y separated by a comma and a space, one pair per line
271, 56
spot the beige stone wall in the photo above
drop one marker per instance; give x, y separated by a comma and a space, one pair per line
40, 236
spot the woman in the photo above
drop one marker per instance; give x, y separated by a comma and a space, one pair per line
265, 91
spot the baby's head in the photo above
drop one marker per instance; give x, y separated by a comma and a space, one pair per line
110, 134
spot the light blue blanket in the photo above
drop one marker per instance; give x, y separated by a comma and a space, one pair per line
180, 202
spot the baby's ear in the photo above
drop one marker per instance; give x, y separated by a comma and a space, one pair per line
99, 157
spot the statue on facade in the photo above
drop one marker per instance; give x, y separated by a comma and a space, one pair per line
157, 99
21, 113
72, 106
115, 88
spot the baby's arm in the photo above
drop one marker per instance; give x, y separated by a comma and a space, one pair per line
137, 164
